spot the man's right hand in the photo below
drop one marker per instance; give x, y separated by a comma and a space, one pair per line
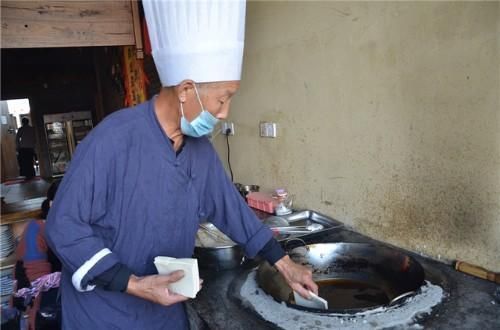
298, 277
154, 288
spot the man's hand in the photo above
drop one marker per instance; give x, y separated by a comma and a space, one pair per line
298, 277
154, 288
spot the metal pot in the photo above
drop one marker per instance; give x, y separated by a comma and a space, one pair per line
219, 258
245, 189
214, 250
378, 274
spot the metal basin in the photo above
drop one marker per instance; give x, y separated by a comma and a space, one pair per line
219, 258
352, 277
305, 218
214, 250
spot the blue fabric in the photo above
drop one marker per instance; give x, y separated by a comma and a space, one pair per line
126, 190
272, 251
32, 252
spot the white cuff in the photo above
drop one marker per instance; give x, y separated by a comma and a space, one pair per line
84, 269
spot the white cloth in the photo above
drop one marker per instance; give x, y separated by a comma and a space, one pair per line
198, 40
43, 283
85, 268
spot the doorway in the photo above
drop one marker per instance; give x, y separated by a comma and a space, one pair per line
12, 114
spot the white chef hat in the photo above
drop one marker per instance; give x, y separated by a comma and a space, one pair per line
199, 40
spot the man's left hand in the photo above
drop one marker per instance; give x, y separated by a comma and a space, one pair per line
298, 277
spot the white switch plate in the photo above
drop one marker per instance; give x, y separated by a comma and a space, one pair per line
268, 129
227, 125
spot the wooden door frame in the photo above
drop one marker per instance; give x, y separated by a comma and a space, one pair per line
9, 168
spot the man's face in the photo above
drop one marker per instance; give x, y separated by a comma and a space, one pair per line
215, 97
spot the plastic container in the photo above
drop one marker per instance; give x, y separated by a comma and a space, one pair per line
262, 201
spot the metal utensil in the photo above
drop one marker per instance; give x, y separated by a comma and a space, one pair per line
401, 297
311, 227
298, 229
275, 221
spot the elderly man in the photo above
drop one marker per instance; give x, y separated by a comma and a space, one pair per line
145, 177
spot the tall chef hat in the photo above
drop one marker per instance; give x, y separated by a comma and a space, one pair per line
200, 40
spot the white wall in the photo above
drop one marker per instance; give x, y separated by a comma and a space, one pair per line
388, 118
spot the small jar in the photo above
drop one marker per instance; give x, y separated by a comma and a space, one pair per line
284, 204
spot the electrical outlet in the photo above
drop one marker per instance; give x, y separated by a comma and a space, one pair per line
226, 125
268, 129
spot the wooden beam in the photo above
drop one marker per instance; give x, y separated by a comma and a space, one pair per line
137, 30
99, 109
32, 24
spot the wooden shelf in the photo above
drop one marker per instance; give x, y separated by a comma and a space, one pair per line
21, 211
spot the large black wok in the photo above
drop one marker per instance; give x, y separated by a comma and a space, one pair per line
352, 277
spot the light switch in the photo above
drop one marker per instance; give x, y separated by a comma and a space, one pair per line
268, 129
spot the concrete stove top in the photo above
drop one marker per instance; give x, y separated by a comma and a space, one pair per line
469, 302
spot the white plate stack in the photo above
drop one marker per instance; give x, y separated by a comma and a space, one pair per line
7, 245
6, 284
7, 242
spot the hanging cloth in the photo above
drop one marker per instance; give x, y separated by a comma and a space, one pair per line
134, 78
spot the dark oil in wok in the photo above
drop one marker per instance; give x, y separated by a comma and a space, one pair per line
349, 294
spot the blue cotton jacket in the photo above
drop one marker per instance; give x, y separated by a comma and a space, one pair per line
127, 198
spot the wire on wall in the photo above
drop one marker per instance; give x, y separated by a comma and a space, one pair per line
229, 154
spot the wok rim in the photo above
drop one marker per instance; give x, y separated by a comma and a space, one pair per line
393, 302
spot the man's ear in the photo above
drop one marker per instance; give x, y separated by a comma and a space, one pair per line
183, 88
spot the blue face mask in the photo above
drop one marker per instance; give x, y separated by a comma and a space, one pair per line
200, 126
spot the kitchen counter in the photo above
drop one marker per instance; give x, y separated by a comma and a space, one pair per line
469, 301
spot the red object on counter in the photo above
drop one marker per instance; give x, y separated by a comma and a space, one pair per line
262, 201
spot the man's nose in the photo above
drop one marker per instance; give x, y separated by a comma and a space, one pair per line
224, 112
